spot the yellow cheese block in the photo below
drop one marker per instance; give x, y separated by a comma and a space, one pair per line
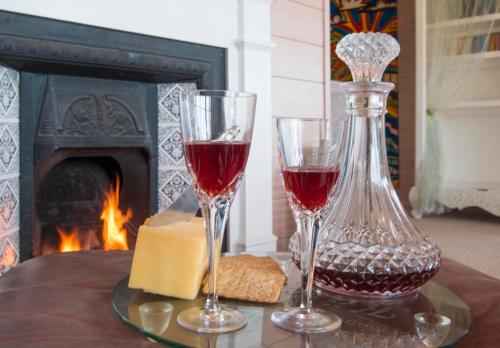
170, 260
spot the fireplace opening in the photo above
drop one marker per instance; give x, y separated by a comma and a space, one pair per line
78, 206
86, 199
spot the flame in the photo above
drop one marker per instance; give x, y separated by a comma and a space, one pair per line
68, 241
114, 235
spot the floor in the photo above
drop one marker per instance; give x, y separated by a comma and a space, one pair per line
471, 239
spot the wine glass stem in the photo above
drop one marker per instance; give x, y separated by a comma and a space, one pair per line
309, 229
215, 212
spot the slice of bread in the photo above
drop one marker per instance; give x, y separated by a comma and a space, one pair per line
249, 278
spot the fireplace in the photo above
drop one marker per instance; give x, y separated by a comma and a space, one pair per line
92, 135
93, 116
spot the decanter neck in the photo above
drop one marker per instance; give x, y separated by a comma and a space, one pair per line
368, 150
366, 106
366, 98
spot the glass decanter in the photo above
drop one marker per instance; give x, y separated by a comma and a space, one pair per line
369, 247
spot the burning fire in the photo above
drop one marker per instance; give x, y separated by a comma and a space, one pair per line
114, 234
68, 241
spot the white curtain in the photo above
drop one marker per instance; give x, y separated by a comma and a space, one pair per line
455, 47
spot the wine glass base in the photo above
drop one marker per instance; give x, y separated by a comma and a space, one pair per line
316, 321
227, 320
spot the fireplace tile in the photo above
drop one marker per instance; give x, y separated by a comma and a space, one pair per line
9, 252
9, 148
9, 122
9, 203
173, 178
9, 94
170, 149
172, 184
163, 202
9, 168
168, 100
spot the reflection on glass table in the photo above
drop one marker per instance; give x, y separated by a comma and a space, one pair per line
434, 317
432, 328
155, 316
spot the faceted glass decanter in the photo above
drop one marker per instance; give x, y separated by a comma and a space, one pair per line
368, 246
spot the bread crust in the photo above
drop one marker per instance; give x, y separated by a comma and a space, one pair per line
249, 278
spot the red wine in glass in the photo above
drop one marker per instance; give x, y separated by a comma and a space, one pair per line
310, 187
216, 165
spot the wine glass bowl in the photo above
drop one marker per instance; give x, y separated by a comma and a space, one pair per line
216, 131
309, 154
309, 187
216, 166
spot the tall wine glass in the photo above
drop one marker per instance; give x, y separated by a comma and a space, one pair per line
216, 131
309, 152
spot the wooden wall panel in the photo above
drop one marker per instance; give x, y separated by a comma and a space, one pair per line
294, 98
296, 21
318, 4
297, 60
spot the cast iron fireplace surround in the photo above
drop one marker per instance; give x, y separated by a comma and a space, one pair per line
122, 71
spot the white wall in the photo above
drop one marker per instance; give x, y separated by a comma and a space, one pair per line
241, 26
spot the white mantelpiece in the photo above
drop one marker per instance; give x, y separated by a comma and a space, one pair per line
240, 26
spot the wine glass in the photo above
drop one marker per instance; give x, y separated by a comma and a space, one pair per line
216, 131
309, 153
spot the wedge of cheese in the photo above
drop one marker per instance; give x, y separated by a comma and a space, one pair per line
170, 260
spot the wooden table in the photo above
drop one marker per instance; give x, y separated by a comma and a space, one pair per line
64, 300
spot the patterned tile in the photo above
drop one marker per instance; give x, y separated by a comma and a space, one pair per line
173, 183
9, 93
9, 148
9, 252
9, 203
9, 122
9, 168
168, 100
173, 178
171, 150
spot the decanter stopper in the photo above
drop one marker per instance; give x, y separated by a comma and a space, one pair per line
367, 54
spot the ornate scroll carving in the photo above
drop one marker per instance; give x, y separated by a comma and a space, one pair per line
92, 115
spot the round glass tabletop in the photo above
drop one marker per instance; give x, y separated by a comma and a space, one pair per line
434, 317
